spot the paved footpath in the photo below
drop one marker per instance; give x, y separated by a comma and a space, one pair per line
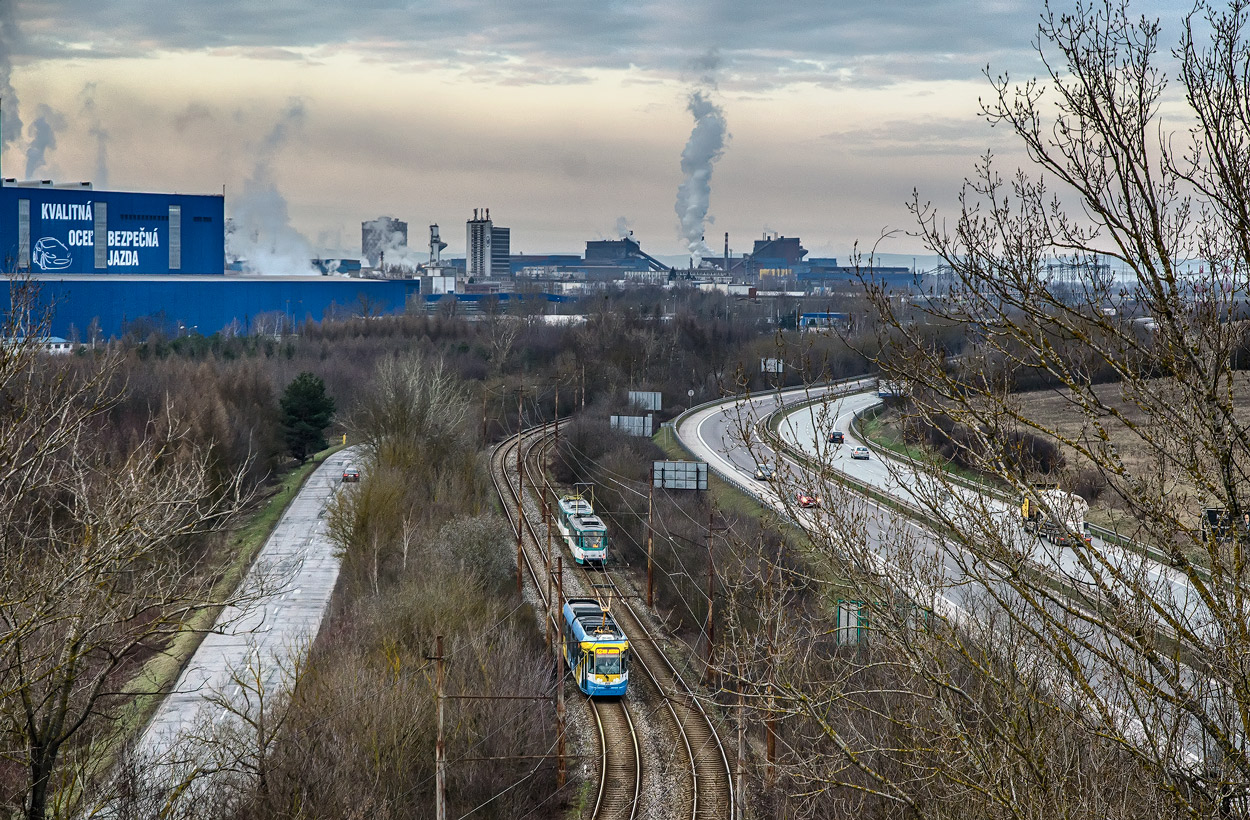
299, 569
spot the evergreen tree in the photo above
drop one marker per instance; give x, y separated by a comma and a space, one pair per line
306, 412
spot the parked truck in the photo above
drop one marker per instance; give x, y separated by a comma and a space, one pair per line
1056, 515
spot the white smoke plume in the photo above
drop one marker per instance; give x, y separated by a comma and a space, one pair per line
10, 111
91, 116
622, 227
397, 254
705, 146
42, 133
262, 238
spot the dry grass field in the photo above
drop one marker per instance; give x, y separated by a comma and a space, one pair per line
1057, 411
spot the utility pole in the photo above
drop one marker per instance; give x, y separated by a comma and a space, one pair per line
650, 498
550, 600
557, 413
520, 505
440, 749
740, 770
561, 772
770, 722
711, 590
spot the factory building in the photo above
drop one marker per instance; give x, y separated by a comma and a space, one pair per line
620, 257
86, 305
46, 228
379, 235
777, 258
109, 262
487, 247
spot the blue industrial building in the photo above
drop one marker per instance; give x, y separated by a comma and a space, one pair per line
78, 230
174, 304
106, 262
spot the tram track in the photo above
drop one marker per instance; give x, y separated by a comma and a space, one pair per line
704, 787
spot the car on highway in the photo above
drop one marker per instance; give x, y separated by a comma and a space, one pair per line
763, 472
860, 453
836, 437
807, 500
351, 473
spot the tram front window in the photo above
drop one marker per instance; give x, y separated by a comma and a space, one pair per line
608, 663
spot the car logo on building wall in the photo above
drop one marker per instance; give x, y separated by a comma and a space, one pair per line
50, 253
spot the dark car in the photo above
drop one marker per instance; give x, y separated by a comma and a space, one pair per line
836, 437
351, 473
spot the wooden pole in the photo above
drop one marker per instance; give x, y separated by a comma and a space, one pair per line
440, 748
561, 772
740, 772
557, 414
650, 499
770, 722
550, 600
711, 589
520, 505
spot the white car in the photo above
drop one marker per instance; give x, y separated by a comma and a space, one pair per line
859, 453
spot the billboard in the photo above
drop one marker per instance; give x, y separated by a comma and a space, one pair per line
679, 475
772, 366
645, 399
79, 230
634, 425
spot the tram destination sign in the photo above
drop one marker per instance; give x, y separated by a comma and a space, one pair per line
679, 475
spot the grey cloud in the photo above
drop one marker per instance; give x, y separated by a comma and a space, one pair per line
757, 44
194, 114
925, 137
10, 44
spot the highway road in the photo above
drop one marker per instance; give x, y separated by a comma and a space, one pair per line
806, 431
297, 568
715, 434
958, 584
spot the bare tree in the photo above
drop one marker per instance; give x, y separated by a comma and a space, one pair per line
98, 566
1005, 675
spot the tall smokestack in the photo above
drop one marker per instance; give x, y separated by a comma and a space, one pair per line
726, 251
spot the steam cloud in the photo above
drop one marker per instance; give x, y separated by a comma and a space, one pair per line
262, 236
622, 227
91, 116
42, 133
705, 146
11, 128
397, 254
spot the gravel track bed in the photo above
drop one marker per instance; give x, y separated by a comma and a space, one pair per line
665, 792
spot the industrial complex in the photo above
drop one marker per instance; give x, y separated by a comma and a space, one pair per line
111, 262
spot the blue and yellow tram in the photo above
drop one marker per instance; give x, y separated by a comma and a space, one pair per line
582, 530
596, 648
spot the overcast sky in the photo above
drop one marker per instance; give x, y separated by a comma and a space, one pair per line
567, 118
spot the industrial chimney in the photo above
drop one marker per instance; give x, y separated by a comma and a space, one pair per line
436, 246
